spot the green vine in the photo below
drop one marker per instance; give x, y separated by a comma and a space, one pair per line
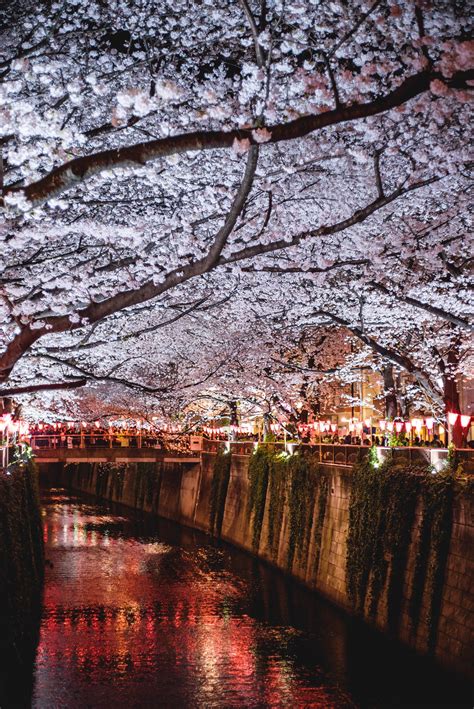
433, 548
219, 486
323, 492
302, 494
277, 484
381, 519
259, 469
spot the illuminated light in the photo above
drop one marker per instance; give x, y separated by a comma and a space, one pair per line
452, 417
84, 424
398, 426
465, 421
382, 425
334, 427
417, 424
441, 429
40, 427
97, 424
351, 428
407, 426
390, 426
367, 422
429, 423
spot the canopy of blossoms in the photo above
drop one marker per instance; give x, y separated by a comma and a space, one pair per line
237, 203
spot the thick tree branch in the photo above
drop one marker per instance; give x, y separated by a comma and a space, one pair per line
389, 355
433, 309
16, 391
78, 170
98, 311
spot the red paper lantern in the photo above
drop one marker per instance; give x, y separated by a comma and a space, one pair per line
398, 426
465, 421
452, 417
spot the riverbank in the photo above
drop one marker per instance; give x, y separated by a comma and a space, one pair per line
299, 519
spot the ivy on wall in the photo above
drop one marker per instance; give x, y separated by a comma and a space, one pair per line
382, 513
277, 497
433, 549
295, 481
323, 492
219, 486
259, 470
301, 499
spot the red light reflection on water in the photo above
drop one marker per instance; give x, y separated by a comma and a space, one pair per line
128, 620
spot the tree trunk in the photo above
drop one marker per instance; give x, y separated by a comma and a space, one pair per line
451, 399
389, 392
451, 403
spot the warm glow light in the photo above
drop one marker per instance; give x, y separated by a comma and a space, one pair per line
390, 426
333, 427
465, 421
429, 423
367, 422
452, 417
382, 425
398, 426
97, 424
407, 426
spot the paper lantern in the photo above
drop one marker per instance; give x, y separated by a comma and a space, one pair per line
97, 424
382, 425
407, 426
417, 424
367, 422
333, 427
465, 421
351, 428
452, 417
398, 426
390, 426
429, 423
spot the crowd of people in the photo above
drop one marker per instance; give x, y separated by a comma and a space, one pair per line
72, 436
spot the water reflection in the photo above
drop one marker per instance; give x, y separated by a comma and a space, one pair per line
146, 614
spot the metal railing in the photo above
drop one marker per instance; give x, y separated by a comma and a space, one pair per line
92, 440
348, 455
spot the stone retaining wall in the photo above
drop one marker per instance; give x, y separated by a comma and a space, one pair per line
183, 493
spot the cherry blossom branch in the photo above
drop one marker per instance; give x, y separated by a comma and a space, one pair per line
403, 361
75, 171
96, 311
16, 391
433, 309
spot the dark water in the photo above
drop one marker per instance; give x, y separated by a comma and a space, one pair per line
144, 613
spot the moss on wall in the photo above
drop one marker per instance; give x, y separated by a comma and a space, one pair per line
382, 514
219, 486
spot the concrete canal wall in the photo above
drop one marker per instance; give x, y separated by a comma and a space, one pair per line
422, 595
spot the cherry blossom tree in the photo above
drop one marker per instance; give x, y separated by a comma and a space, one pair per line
172, 171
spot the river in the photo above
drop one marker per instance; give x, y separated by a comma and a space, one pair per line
140, 612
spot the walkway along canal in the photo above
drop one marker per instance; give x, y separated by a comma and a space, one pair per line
142, 612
